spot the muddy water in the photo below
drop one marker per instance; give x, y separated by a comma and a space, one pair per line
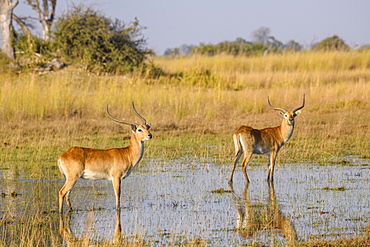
183, 201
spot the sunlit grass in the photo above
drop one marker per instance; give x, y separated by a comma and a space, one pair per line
274, 71
44, 114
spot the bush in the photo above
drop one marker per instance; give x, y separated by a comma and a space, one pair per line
99, 44
332, 44
235, 48
365, 48
31, 51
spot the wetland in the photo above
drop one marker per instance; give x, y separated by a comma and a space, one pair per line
185, 202
179, 193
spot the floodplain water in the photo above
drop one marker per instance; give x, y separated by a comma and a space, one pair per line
185, 201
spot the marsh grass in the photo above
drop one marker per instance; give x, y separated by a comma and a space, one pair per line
28, 218
351, 242
32, 220
194, 111
342, 188
42, 115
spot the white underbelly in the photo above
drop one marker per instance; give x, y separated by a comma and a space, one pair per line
92, 175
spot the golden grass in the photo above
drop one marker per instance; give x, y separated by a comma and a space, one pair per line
43, 114
275, 71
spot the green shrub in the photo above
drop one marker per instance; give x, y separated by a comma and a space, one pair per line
235, 48
31, 51
99, 44
332, 44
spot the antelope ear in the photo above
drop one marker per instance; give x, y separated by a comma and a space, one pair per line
147, 126
297, 113
281, 113
133, 127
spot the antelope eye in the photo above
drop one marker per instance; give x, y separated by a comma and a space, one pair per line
140, 130
286, 115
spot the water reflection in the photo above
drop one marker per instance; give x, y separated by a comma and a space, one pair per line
10, 191
175, 205
70, 238
254, 219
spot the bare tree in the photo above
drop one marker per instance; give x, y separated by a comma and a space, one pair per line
261, 35
6, 10
24, 26
25, 29
45, 15
293, 46
273, 44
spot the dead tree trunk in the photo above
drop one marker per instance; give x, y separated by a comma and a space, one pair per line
26, 31
45, 15
6, 10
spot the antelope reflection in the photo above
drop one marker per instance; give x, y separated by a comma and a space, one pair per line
71, 240
254, 219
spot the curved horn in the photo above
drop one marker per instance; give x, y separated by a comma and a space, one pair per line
275, 108
144, 121
304, 97
119, 121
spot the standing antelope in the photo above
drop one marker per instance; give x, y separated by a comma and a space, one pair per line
266, 141
113, 164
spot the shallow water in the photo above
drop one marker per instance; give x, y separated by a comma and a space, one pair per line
176, 202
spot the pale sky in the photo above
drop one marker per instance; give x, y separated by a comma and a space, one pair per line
172, 23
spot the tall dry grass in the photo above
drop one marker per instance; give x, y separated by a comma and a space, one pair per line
43, 114
275, 71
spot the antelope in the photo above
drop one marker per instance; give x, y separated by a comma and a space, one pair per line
266, 141
113, 164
